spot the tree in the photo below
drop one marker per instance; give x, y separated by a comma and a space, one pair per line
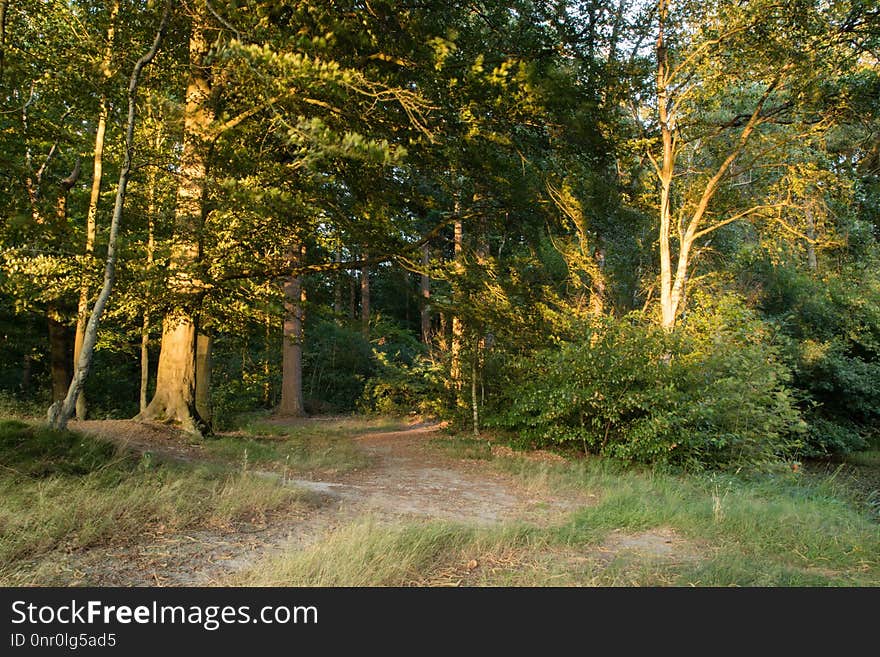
763, 60
60, 412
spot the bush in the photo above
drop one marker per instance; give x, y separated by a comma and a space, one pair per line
402, 389
632, 391
832, 330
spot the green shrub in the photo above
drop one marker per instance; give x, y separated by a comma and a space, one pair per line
337, 360
402, 389
636, 392
832, 331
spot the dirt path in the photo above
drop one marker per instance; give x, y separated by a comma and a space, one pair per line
408, 479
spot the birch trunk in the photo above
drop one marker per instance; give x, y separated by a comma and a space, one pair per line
60, 412
91, 222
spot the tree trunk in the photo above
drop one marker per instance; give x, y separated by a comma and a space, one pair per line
339, 280
59, 337
812, 259
59, 355
91, 223
145, 325
175, 396
457, 328
26, 374
60, 412
174, 399
204, 349
292, 402
475, 407
145, 362
425, 290
365, 297
668, 306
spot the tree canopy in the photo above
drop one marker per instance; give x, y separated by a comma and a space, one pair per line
643, 229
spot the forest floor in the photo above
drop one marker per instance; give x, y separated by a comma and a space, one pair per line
385, 502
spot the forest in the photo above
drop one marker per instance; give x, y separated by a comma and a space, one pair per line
603, 244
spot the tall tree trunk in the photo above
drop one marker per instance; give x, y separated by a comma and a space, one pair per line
365, 297
204, 349
60, 412
292, 402
668, 305
475, 404
812, 259
59, 337
425, 292
59, 355
151, 250
174, 399
339, 281
91, 222
457, 327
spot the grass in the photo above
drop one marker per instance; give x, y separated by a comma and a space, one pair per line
778, 529
369, 552
464, 447
326, 446
60, 491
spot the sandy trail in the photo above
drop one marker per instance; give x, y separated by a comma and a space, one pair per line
408, 479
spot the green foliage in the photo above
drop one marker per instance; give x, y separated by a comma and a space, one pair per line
401, 389
337, 361
831, 327
633, 391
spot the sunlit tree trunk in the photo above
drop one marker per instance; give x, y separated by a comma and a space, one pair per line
175, 396
692, 226
91, 223
668, 304
457, 328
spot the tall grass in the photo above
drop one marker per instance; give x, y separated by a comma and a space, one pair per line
769, 530
60, 490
